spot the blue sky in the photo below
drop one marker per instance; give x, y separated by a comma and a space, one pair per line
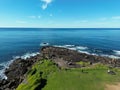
60, 13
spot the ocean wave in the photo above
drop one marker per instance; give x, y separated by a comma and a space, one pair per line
116, 52
84, 52
64, 46
68, 45
2, 70
72, 47
111, 56
92, 51
26, 56
81, 48
6, 64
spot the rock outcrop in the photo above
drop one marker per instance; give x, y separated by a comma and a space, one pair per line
16, 71
71, 56
61, 56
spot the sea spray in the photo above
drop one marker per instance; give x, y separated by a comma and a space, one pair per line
91, 51
26, 56
116, 52
5, 65
82, 49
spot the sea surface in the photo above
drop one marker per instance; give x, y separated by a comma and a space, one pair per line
26, 42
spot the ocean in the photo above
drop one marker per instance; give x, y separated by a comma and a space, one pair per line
26, 42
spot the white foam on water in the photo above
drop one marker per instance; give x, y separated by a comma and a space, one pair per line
59, 46
69, 45
72, 48
84, 52
116, 52
64, 46
81, 48
6, 64
2, 76
111, 56
26, 56
44, 44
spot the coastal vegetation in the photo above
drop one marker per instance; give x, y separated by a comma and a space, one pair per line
61, 69
36, 77
45, 75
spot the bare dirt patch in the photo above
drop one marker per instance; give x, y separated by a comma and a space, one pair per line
113, 87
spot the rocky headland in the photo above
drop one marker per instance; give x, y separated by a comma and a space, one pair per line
61, 56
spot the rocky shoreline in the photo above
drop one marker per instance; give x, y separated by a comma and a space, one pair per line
62, 57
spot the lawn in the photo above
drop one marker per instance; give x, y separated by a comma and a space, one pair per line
90, 78
77, 80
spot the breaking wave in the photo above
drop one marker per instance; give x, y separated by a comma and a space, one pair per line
26, 56
116, 52
5, 65
82, 49
92, 51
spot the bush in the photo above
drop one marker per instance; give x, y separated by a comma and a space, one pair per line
83, 64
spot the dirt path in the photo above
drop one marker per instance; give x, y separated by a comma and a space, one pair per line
61, 63
113, 87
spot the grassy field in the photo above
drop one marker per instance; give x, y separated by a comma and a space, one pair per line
36, 78
90, 78
77, 80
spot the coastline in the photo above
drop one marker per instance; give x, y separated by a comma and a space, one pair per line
79, 49
62, 57
115, 54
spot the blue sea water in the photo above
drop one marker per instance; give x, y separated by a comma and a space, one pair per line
25, 41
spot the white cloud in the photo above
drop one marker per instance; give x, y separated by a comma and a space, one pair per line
21, 22
45, 3
116, 17
33, 17
44, 6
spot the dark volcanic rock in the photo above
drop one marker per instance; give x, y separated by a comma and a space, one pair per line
16, 71
17, 68
61, 56
72, 56
65, 54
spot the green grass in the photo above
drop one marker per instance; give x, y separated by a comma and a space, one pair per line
90, 78
39, 72
84, 64
93, 78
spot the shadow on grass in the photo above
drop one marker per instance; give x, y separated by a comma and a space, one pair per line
42, 85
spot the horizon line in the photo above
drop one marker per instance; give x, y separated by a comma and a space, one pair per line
67, 27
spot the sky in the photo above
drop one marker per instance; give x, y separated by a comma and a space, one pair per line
60, 13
